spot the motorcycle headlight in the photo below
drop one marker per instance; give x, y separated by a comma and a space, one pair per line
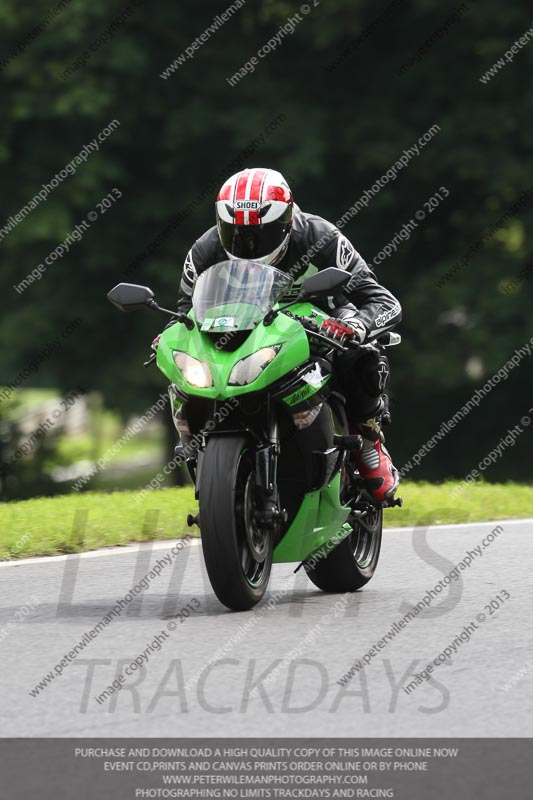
248, 369
195, 372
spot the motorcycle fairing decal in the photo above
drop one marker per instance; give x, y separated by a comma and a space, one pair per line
218, 322
304, 392
314, 377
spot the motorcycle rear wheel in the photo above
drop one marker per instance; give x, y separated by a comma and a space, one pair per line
353, 562
237, 552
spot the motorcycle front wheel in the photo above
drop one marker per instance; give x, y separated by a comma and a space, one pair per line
237, 552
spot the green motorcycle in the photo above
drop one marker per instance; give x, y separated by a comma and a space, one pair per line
263, 432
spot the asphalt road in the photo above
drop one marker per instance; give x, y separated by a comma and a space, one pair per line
294, 652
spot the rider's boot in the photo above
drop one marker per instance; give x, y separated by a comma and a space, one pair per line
374, 462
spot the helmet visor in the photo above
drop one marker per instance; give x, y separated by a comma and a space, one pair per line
252, 241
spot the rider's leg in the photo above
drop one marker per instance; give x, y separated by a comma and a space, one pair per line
364, 379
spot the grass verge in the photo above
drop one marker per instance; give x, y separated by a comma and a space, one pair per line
86, 521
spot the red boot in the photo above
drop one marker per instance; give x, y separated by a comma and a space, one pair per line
375, 466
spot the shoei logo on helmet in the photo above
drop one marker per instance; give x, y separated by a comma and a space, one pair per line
247, 205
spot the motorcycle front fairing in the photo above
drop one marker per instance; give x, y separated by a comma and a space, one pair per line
289, 334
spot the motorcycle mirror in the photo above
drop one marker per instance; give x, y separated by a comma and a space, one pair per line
130, 296
325, 281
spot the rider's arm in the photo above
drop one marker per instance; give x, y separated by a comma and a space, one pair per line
205, 252
188, 279
377, 308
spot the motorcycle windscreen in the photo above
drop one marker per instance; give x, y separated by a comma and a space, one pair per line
236, 295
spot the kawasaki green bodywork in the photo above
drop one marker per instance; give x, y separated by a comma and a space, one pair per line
321, 517
284, 330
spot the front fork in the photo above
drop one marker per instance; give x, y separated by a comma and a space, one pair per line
268, 512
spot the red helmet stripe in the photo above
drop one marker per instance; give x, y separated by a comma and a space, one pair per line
257, 184
240, 187
240, 194
279, 193
225, 192
256, 191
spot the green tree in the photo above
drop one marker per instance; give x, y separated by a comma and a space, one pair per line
353, 93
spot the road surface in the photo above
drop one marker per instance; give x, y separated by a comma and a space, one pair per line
274, 671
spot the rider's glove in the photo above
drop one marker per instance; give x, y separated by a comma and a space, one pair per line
351, 328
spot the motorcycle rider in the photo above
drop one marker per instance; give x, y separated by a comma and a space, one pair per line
257, 219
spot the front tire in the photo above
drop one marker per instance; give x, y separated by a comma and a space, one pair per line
353, 562
237, 553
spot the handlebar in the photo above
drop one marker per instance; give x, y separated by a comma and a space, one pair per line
311, 326
383, 340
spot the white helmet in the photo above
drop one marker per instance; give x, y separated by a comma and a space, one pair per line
254, 215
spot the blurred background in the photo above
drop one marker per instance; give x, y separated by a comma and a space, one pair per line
348, 87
